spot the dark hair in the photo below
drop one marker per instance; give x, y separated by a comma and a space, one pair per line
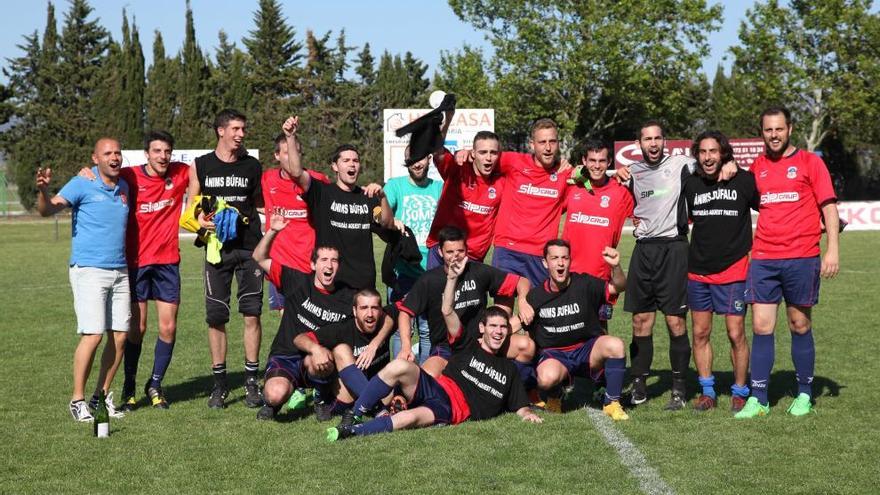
225, 117
157, 135
557, 243
491, 311
542, 123
320, 247
650, 123
339, 149
775, 110
596, 145
486, 135
450, 233
367, 292
281, 138
723, 143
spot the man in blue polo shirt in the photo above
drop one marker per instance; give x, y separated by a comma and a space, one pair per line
98, 273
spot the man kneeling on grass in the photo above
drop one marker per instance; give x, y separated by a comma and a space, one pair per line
477, 383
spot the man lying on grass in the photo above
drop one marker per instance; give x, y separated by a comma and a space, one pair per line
478, 383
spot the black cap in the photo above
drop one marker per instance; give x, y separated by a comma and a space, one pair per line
425, 130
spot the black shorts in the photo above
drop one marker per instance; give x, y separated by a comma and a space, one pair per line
218, 286
657, 277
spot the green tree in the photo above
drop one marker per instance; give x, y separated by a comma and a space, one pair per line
230, 80
274, 51
464, 74
192, 123
160, 94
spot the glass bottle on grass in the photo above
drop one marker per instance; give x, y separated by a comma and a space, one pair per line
102, 418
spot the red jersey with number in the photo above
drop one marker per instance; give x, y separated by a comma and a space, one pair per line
468, 201
531, 206
792, 191
293, 246
593, 221
155, 206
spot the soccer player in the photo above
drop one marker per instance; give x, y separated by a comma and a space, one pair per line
342, 212
229, 173
98, 270
476, 283
566, 328
796, 193
596, 211
413, 199
157, 190
718, 260
359, 345
532, 203
297, 241
478, 383
470, 198
311, 302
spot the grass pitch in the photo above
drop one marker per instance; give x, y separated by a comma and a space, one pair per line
191, 449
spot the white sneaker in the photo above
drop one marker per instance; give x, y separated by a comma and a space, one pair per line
80, 411
111, 409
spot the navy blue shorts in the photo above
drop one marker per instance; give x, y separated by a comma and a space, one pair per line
290, 367
525, 265
576, 359
434, 257
795, 280
430, 394
441, 350
276, 298
721, 299
156, 282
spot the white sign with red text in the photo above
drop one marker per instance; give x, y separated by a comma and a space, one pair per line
861, 215
744, 150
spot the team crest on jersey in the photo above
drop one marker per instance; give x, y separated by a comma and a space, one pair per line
604, 201
667, 172
553, 177
792, 172
492, 193
169, 184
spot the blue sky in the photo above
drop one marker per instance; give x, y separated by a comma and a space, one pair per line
425, 27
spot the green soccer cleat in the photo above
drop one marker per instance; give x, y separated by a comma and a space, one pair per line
300, 399
801, 406
753, 409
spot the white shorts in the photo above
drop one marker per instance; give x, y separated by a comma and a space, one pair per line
101, 299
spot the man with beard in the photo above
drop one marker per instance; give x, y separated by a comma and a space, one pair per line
796, 195
657, 278
413, 199
230, 174
718, 260
342, 213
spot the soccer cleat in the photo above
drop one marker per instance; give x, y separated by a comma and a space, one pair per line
80, 411
299, 399
615, 411
639, 392
737, 402
128, 404
676, 403
323, 411
753, 409
266, 413
349, 419
156, 396
335, 433
801, 406
704, 403
599, 394
253, 396
111, 408
535, 401
553, 405
217, 400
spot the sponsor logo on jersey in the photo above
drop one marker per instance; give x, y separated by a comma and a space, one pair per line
544, 192
349, 208
559, 311
604, 201
156, 206
783, 197
653, 192
230, 181
792, 172
589, 219
763, 173
475, 208
294, 213
724, 194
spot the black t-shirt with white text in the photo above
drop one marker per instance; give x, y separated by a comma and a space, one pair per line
490, 383
343, 220
720, 210
307, 308
472, 290
569, 316
347, 332
237, 183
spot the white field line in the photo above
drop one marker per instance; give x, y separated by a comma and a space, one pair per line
649, 479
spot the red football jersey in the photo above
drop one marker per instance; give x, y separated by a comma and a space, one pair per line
468, 201
595, 220
531, 205
151, 237
293, 246
791, 189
